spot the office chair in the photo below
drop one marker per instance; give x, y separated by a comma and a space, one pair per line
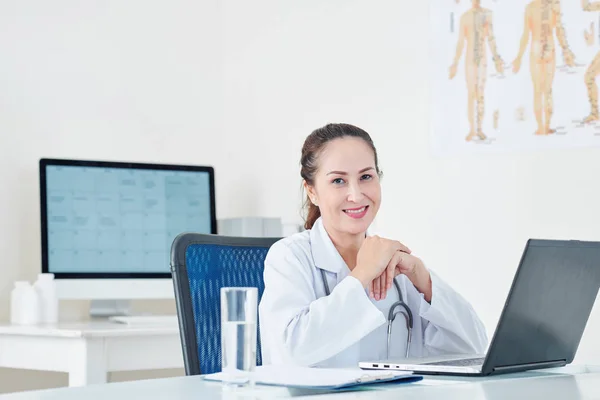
201, 265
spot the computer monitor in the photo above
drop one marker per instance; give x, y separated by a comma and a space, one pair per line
107, 227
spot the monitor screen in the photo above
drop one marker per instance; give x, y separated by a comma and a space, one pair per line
107, 219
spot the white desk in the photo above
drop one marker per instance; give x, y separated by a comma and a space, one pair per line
560, 384
88, 351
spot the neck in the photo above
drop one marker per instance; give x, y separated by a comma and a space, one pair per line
347, 244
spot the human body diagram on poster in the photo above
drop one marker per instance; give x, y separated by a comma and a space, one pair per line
515, 73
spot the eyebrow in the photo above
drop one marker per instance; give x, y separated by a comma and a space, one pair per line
345, 173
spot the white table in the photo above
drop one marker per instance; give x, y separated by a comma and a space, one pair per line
567, 383
88, 351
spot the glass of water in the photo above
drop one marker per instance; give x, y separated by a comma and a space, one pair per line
239, 311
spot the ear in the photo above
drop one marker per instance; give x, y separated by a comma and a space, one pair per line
312, 194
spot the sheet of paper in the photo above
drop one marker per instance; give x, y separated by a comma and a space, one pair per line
313, 377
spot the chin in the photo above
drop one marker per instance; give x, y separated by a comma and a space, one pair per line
358, 226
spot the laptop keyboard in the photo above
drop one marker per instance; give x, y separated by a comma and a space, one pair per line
467, 362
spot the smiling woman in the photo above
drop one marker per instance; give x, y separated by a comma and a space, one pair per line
304, 322
341, 177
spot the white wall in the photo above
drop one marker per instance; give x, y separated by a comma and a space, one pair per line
238, 85
115, 80
293, 66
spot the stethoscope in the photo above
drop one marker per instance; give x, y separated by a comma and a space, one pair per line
405, 310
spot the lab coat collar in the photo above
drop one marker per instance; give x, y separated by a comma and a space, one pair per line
324, 253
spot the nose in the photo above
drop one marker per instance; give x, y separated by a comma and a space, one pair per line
355, 193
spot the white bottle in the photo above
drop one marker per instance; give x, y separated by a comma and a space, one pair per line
24, 304
48, 301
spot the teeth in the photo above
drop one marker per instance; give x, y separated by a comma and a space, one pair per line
356, 211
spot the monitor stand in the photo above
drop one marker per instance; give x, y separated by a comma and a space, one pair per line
109, 308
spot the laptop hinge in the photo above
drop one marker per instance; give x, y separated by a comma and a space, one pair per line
535, 365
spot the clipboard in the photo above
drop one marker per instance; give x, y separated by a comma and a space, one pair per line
331, 379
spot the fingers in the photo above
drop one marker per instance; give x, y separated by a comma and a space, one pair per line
377, 288
395, 244
391, 269
377, 261
382, 287
406, 263
390, 274
383, 278
375, 291
399, 246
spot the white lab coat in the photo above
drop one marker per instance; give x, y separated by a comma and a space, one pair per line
300, 325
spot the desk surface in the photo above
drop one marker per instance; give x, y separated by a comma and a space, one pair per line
88, 329
571, 383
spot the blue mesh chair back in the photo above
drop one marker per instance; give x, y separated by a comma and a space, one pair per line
201, 265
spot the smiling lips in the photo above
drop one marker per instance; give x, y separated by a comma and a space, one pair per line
356, 213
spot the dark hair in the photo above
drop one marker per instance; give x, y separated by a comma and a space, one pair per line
312, 148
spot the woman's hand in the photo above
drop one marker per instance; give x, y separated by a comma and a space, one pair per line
374, 258
417, 273
406, 264
380, 285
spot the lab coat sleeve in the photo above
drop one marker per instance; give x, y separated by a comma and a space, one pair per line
449, 324
301, 329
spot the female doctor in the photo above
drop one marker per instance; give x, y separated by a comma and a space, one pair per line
329, 290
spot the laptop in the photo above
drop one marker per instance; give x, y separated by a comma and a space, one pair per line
550, 300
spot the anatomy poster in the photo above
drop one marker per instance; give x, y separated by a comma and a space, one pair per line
514, 74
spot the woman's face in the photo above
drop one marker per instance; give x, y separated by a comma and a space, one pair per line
346, 186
